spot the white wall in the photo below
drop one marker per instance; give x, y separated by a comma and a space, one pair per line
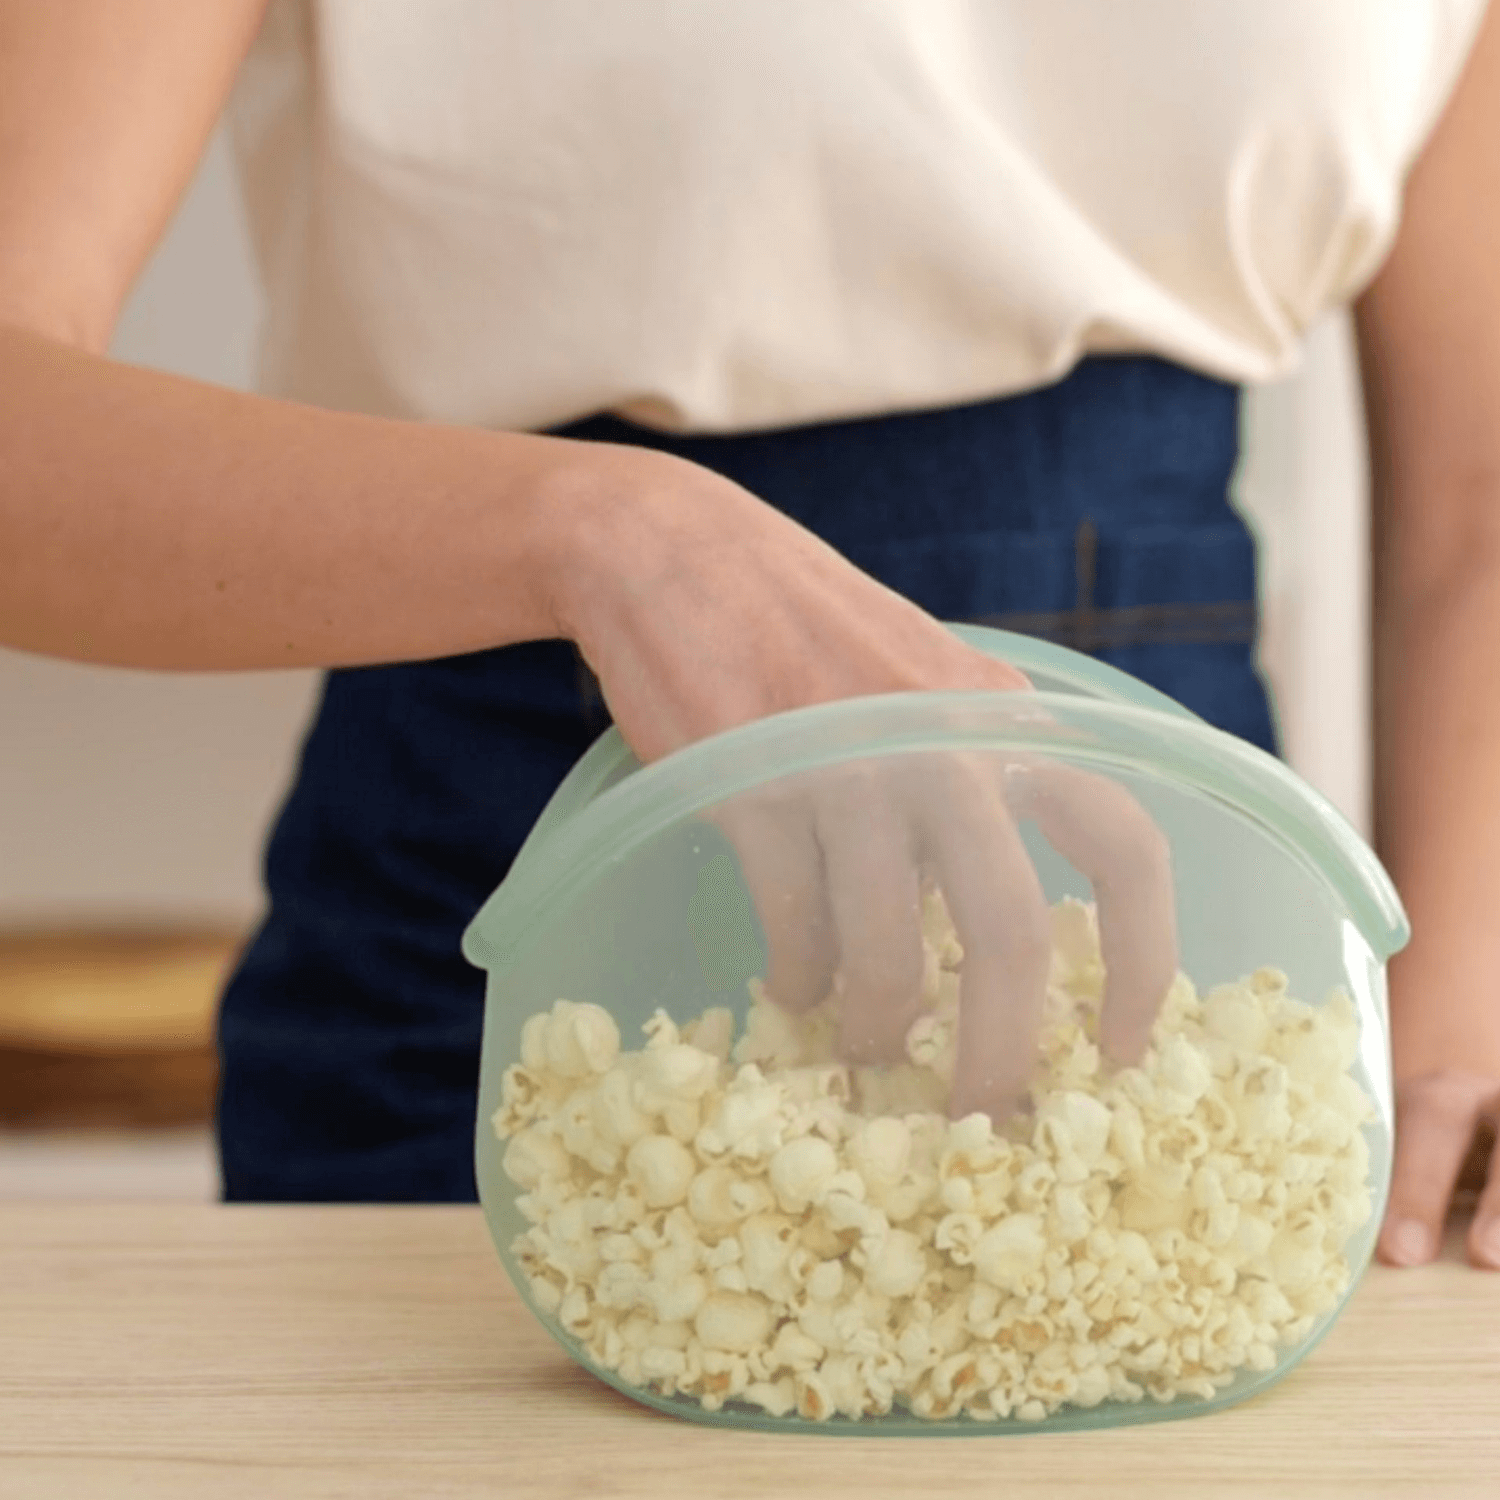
129, 794
140, 796
1304, 485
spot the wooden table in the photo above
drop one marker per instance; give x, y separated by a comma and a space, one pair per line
281, 1353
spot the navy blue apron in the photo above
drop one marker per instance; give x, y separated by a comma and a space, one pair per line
1093, 511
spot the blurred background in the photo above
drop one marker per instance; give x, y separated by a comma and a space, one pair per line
133, 806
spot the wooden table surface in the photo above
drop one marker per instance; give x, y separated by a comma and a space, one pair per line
281, 1353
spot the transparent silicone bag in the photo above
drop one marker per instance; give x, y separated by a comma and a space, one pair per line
775, 1239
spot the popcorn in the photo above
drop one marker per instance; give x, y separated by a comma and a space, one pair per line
1235, 1014
1127, 1134
674, 1071
802, 1171
1182, 1075
957, 1234
621, 1285
845, 1211
532, 1156
896, 1265
794, 1350
749, 1122
523, 1095
775, 1397
572, 1041
1073, 1128
663, 1365
826, 1282
1259, 1098
734, 1322
1070, 1218
712, 1032
766, 1243
662, 1168
1076, 964
617, 1118
880, 1151
750, 1220
1010, 1251
677, 1299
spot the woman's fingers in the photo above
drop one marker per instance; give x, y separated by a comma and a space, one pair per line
783, 870
1000, 914
1484, 1232
1099, 828
1436, 1118
834, 872
875, 896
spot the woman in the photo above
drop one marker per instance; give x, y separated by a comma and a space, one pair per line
964, 291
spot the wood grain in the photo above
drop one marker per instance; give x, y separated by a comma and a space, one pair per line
44, 1090
109, 992
174, 1352
109, 1028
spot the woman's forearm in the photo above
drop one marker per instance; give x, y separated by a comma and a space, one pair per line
152, 521
1438, 793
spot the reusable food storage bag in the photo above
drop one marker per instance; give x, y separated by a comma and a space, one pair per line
717, 1212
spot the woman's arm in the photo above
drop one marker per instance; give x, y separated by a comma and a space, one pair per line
1429, 331
159, 522
105, 106
163, 523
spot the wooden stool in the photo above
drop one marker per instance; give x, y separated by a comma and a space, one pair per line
109, 1029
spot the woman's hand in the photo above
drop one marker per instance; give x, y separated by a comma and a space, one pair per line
701, 608
1447, 1049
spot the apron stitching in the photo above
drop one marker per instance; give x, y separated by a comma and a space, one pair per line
1093, 629
1085, 569
1090, 629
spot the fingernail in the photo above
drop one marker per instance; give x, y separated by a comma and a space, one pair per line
1409, 1243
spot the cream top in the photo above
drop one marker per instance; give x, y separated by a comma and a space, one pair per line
730, 214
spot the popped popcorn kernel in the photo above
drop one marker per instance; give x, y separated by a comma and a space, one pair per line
662, 1168
896, 1266
802, 1171
880, 1151
533, 1156
577, 1040
735, 1322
